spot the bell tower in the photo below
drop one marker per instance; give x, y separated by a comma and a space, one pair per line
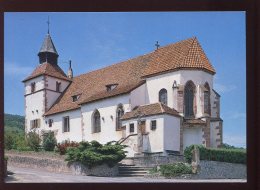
48, 52
43, 86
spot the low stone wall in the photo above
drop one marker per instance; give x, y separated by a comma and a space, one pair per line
59, 165
152, 161
54, 165
221, 170
102, 170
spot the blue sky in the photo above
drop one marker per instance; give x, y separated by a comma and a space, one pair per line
95, 40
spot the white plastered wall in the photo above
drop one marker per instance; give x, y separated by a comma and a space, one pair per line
107, 109
34, 103
171, 133
138, 96
51, 93
156, 83
75, 133
192, 136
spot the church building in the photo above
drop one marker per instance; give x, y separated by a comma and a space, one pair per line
157, 103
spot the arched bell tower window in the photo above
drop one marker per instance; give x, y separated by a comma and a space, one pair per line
189, 97
119, 114
207, 99
163, 96
96, 128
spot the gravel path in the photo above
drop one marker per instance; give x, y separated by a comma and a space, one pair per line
28, 175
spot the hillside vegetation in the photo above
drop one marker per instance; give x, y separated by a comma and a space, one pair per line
14, 132
14, 123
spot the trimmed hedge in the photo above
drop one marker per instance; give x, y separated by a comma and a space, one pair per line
176, 169
217, 154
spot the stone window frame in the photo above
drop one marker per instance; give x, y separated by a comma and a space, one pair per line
163, 96
153, 125
207, 109
33, 87
66, 124
131, 128
119, 113
96, 122
189, 110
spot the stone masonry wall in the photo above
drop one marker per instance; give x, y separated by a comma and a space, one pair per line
59, 165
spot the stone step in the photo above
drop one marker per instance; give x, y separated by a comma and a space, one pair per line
133, 169
131, 175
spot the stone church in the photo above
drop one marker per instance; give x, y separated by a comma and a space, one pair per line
156, 103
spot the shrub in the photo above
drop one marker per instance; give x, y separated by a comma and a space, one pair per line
217, 154
9, 141
61, 148
176, 169
33, 141
93, 154
49, 141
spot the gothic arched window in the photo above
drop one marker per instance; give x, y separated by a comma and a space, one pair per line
207, 98
96, 122
163, 96
189, 92
119, 114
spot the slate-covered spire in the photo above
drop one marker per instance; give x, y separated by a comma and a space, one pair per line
48, 52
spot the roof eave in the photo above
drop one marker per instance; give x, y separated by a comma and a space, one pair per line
177, 69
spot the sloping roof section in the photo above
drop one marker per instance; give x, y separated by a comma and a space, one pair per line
92, 85
148, 110
186, 54
48, 45
48, 69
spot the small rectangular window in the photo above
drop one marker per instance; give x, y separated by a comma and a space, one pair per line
153, 124
132, 127
50, 122
58, 85
66, 124
32, 87
35, 123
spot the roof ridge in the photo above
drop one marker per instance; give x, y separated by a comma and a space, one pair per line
136, 57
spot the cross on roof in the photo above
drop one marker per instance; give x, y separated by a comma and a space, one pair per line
48, 22
157, 45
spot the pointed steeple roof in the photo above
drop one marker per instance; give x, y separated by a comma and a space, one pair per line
48, 45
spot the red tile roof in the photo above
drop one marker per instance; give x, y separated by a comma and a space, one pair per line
129, 74
150, 109
186, 54
47, 69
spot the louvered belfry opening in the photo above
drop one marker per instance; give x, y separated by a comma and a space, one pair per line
48, 52
189, 93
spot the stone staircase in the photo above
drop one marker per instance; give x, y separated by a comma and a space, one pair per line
128, 170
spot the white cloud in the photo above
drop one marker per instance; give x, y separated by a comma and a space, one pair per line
238, 141
12, 69
221, 88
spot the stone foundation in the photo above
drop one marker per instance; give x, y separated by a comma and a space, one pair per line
59, 165
102, 170
152, 161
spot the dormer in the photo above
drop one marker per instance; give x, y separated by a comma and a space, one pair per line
110, 87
